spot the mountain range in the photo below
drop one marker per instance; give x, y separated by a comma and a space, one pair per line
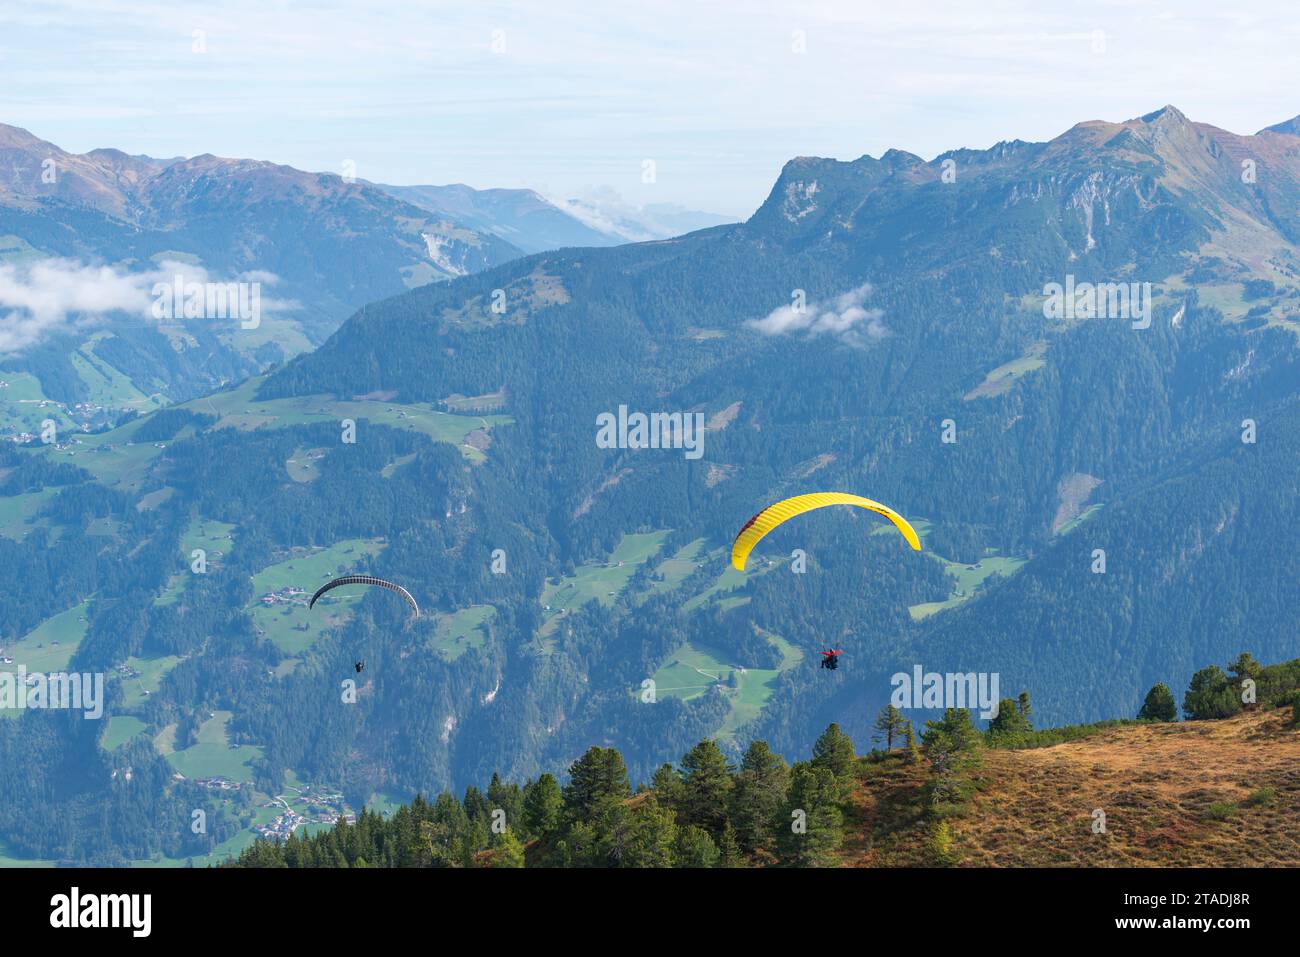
75, 229
1099, 487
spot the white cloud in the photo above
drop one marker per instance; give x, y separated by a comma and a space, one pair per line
45, 298
39, 299
844, 317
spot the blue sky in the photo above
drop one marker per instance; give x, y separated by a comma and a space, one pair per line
574, 97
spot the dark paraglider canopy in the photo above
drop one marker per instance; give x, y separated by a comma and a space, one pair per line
367, 580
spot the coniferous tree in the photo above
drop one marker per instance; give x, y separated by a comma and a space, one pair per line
951, 745
542, 806
1210, 695
643, 835
912, 750
667, 786
756, 799
1010, 719
1159, 705
889, 725
695, 848
598, 776
729, 848
507, 851
508, 798
1245, 666
706, 783
834, 752
811, 832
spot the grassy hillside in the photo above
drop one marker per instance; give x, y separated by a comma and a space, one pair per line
1190, 794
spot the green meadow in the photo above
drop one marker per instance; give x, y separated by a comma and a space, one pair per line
458, 632
1079, 519
136, 690
108, 386
211, 755
216, 539
23, 406
677, 568
1001, 380
239, 409
694, 669
288, 623
18, 512
599, 581
729, 580
49, 646
121, 729
966, 579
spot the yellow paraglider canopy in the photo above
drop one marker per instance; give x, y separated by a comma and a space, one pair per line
774, 515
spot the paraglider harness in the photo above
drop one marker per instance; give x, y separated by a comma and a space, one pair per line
831, 659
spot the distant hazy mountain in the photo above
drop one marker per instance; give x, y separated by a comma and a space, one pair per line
607, 212
519, 216
535, 224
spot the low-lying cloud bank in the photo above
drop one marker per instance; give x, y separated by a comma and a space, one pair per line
844, 317
51, 296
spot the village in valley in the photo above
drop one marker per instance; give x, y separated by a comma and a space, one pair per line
302, 805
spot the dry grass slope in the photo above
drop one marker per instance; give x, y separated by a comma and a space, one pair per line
1194, 794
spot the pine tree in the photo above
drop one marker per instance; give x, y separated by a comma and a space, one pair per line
1210, 695
1010, 719
954, 732
889, 724
941, 845
1159, 705
913, 752
695, 848
642, 834
811, 831
706, 783
667, 786
833, 751
598, 776
756, 798
508, 798
1245, 666
542, 806
729, 848
507, 851
951, 745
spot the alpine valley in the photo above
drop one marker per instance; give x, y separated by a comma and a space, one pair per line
1103, 505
